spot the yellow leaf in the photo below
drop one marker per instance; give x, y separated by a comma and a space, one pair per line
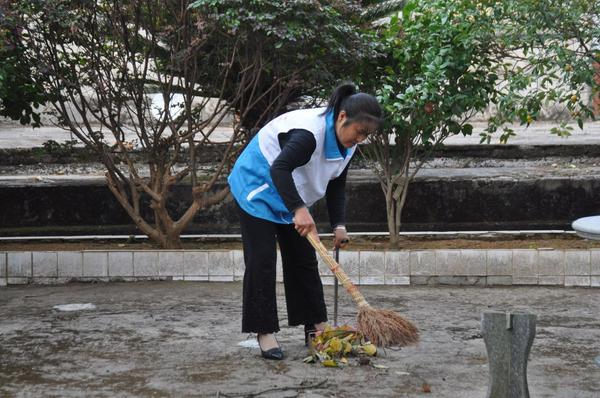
330, 363
335, 345
347, 348
370, 349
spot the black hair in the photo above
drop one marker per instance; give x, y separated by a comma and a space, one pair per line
359, 107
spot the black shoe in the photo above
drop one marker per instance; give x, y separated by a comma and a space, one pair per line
309, 334
274, 353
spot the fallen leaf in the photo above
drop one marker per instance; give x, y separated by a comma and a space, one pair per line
426, 387
377, 366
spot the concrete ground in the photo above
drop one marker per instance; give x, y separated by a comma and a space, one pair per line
181, 339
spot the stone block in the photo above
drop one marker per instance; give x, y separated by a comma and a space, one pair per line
508, 339
18, 264
238, 263
595, 281
422, 263
350, 261
397, 280
525, 263
419, 280
70, 264
49, 281
220, 278
170, 263
3, 281
195, 263
552, 280
473, 262
196, 278
3, 265
372, 280
95, 264
95, 279
397, 263
595, 260
372, 264
551, 262
499, 263
120, 263
323, 268
525, 280
499, 280
448, 262
220, 263
577, 262
583, 281
17, 281
145, 263
45, 264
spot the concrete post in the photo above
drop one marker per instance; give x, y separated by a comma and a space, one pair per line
508, 338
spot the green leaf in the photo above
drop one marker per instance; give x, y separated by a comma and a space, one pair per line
467, 129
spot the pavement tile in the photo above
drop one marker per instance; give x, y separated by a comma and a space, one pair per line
45, 264
551, 262
577, 262
95, 264
170, 263
145, 263
70, 263
422, 263
120, 263
499, 262
18, 264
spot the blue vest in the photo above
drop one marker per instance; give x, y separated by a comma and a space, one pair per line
250, 180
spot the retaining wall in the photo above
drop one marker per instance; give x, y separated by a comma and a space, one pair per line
411, 267
432, 205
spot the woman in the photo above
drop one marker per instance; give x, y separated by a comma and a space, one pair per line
292, 162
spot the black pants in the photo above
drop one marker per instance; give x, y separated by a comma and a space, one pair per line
303, 288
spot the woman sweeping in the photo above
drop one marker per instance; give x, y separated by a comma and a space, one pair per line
295, 160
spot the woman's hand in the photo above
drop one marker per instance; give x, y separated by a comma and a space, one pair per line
340, 237
303, 222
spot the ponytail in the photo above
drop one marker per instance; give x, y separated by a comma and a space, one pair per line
359, 107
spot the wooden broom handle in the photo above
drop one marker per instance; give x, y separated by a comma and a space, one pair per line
337, 271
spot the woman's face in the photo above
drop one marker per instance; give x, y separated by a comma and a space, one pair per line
353, 133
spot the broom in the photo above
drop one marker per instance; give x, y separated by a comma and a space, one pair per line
383, 327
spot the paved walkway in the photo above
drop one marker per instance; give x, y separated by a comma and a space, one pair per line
16, 136
175, 339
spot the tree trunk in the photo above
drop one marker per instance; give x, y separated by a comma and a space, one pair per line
171, 240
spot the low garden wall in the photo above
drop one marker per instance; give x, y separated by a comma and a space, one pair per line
409, 267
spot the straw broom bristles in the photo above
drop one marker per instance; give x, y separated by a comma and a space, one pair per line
383, 327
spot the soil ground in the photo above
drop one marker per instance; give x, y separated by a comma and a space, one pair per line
357, 243
175, 339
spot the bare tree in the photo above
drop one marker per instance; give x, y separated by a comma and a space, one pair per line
100, 60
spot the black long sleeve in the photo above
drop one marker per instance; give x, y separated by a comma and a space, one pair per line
336, 199
297, 147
